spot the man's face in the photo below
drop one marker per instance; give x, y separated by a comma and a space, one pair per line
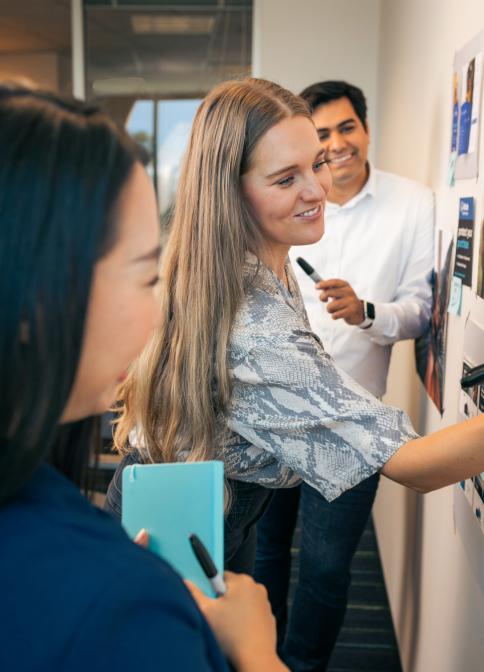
345, 140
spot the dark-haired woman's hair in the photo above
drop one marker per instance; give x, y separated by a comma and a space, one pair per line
62, 166
325, 92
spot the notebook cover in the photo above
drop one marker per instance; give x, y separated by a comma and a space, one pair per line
172, 501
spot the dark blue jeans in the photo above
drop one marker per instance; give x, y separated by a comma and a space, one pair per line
330, 533
249, 502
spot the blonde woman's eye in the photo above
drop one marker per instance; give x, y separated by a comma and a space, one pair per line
317, 166
154, 281
286, 181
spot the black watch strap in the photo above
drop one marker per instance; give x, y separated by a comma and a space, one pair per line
369, 312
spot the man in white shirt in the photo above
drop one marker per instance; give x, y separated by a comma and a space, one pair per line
375, 259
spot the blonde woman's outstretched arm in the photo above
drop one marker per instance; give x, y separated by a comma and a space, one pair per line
300, 414
439, 459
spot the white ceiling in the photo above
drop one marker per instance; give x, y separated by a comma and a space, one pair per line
187, 62
34, 25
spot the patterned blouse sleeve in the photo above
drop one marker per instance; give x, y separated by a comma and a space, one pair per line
290, 399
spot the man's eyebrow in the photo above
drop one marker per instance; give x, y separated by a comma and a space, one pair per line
149, 256
351, 120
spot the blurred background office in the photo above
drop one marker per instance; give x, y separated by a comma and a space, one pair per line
149, 63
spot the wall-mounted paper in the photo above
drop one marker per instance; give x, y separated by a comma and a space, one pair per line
480, 265
467, 85
430, 348
465, 239
455, 301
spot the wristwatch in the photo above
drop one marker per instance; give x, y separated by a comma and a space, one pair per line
369, 311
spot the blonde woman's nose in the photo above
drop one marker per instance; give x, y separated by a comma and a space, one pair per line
313, 189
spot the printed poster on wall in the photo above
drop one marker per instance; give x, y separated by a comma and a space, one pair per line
480, 265
470, 105
455, 112
430, 348
455, 128
465, 238
467, 90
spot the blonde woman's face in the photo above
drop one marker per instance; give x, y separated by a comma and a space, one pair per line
287, 184
122, 309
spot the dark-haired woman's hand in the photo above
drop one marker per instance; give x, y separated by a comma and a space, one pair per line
142, 538
243, 623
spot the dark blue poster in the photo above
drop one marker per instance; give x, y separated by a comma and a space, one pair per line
455, 112
465, 237
466, 109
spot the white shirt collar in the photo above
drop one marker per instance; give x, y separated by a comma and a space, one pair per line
369, 189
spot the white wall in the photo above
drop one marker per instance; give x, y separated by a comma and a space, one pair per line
42, 68
436, 600
400, 52
300, 43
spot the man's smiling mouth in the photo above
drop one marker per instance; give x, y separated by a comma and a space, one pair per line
342, 159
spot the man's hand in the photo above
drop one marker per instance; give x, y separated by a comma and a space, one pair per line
344, 304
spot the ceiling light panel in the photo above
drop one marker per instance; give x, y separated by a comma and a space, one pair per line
146, 24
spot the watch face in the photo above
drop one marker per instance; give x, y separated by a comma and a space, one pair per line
370, 310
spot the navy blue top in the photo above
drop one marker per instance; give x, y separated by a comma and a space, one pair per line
76, 594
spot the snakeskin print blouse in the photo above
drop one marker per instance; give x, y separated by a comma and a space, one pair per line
293, 414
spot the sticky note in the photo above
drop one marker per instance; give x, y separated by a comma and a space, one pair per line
455, 300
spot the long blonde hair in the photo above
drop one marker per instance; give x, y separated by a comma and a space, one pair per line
180, 383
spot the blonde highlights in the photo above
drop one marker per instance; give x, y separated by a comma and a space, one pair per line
180, 384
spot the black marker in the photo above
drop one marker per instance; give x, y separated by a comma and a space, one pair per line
208, 565
473, 376
307, 268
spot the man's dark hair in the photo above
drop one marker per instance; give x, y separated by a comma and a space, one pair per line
63, 166
325, 92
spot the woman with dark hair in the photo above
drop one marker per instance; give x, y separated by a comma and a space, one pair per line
79, 246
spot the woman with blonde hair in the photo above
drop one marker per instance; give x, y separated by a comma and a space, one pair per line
233, 371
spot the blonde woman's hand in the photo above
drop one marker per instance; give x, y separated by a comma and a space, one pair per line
243, 623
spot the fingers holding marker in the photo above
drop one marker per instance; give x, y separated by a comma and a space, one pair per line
243, 623
343, 303
339, 308
335, 305
142, 538
348, 308
198, 595
337, 293
333, 283
334, 289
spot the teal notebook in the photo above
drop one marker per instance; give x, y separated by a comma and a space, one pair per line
172, 501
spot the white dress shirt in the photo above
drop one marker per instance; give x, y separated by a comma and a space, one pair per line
381, 243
